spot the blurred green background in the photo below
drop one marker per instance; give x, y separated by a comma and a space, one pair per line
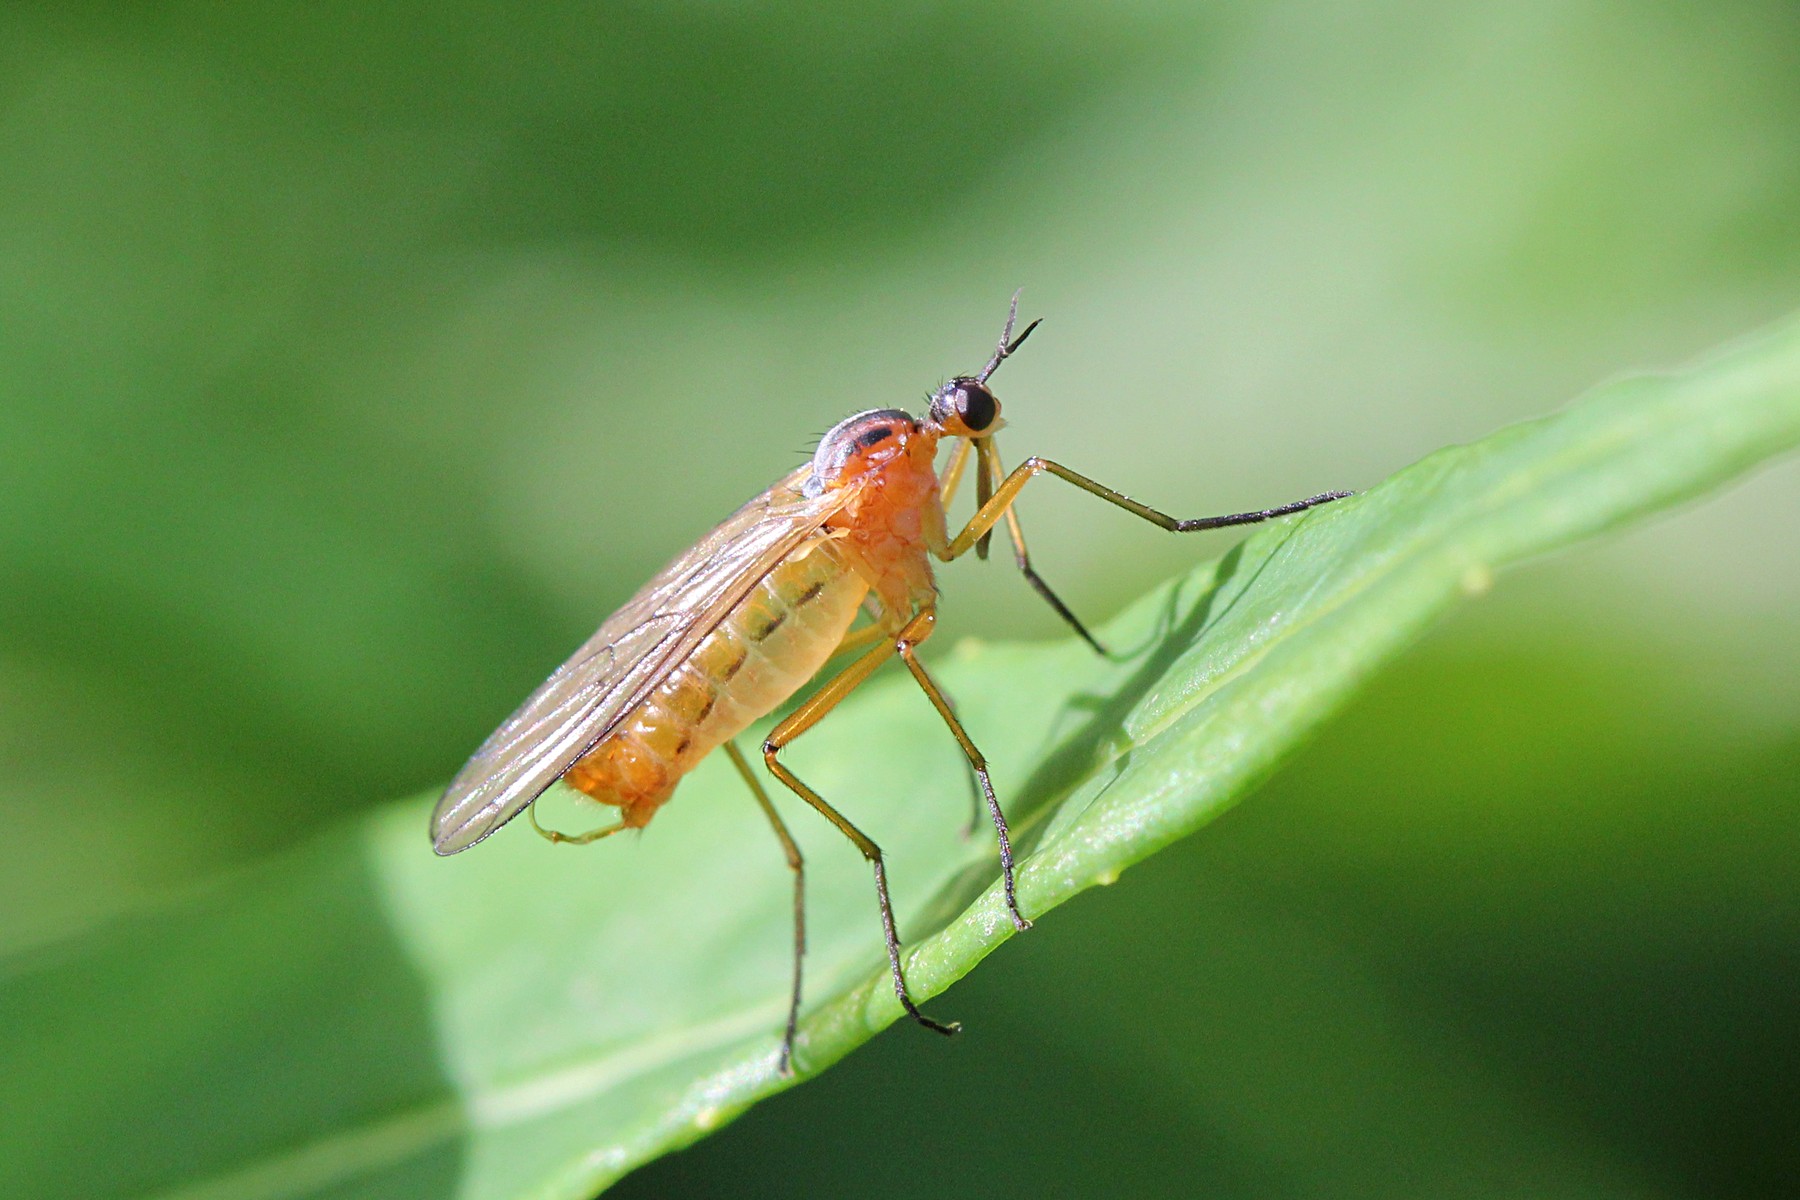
354, 362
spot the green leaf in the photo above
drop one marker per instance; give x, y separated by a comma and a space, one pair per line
358, 1017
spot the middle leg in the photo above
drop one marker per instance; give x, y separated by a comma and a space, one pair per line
977, 763
803, 719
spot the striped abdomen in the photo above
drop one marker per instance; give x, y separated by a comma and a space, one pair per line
776, 639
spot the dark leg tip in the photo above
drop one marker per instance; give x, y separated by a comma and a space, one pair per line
950, 1030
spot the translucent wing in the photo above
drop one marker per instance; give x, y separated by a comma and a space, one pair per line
617, 668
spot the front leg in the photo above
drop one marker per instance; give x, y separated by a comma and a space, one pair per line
992, 471
996, 508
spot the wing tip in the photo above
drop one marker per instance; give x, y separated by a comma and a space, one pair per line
448, 839
449, 835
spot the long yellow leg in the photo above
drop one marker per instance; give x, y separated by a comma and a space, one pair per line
991, 469
989, 514
798, 866
986, 476
858, 639
803, 719
977, 805
828, 697
977, 761
953, 472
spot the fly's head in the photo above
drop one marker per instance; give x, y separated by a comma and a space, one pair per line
888, 443
964, 407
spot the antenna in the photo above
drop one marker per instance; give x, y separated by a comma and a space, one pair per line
1008, 343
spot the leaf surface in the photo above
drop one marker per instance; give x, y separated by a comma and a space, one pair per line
358, 1017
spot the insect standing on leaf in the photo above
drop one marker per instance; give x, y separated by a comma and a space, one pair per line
739, 623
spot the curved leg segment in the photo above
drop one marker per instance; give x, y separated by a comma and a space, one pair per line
977, 763
556, 837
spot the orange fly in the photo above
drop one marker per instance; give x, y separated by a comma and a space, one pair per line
740, 622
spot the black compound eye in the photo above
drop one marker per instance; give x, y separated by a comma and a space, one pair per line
976, 405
